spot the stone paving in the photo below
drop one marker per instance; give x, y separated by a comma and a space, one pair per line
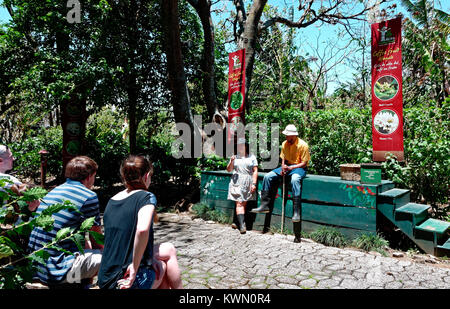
214, 256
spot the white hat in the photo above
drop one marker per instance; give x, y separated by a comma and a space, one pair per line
290, 130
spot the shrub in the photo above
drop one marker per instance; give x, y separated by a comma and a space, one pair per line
370, 242
28, 159
329, 236
344, 136
105, 144
203, 211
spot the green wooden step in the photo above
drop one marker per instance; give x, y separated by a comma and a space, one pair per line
395, 197
433, 225
432, 230
446, 245
416, 213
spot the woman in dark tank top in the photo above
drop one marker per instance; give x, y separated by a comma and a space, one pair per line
130, 258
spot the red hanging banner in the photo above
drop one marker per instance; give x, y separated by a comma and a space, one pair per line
387, 97
236, 90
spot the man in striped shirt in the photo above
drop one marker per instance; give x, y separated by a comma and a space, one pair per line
62, 267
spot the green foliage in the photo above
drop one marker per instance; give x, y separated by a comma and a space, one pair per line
344, 136
329, 236
16, 264
425, 51
106, 145
370, 242
28, 159
427, 154
203, 211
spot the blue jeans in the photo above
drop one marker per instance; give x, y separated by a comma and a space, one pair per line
271, 180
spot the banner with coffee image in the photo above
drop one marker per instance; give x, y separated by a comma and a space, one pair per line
236, 91
387, 97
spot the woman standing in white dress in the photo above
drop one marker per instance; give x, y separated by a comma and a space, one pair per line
242, 187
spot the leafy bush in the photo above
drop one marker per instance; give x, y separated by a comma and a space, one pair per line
203, 211
28, 159
105, 145
369, 242
344, 136
427, 154
329, 236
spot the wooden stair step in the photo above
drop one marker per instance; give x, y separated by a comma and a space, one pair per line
416, 213
413, 208
394, 193
446, 245
433, 225
395, 197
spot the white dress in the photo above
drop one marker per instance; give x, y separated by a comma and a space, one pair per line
242, 179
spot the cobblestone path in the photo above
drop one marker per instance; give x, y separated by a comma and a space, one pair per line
214, 256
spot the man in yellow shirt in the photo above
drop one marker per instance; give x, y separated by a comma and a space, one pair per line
294, 162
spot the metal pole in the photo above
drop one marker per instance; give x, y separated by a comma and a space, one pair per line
43, 154
283, 203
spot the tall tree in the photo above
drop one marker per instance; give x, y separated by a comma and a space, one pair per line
426, 51
249, 26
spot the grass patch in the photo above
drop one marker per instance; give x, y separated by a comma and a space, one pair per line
203, 211
329, 236
370, 242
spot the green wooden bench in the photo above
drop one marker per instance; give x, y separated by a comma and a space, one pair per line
348, 206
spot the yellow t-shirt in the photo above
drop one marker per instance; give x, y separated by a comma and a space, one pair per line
296, 153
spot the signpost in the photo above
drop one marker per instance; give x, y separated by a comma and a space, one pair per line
387, 97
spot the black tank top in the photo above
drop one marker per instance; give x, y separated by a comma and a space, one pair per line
120, 221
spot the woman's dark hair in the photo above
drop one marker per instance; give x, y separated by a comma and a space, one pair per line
247, 149
79, 168
132, 169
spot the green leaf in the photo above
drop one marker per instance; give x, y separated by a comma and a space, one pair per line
40, 256
87, 224
78, 239
34, 194
60, 249
5, 251
99, 238
45, 221
58, 207
63, 233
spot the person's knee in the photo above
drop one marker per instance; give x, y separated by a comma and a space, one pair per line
296, 178
168, 249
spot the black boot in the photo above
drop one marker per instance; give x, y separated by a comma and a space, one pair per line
296, 204
242, 227
264, 204
234, 225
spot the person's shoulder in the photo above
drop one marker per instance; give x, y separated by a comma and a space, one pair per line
78, 188
302, 142
147, 196
11, 178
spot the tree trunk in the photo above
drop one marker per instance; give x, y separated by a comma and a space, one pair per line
248, 39
73, 110
175, 65
132, 102
203, 9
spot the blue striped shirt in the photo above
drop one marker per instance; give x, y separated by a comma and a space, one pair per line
59, 263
